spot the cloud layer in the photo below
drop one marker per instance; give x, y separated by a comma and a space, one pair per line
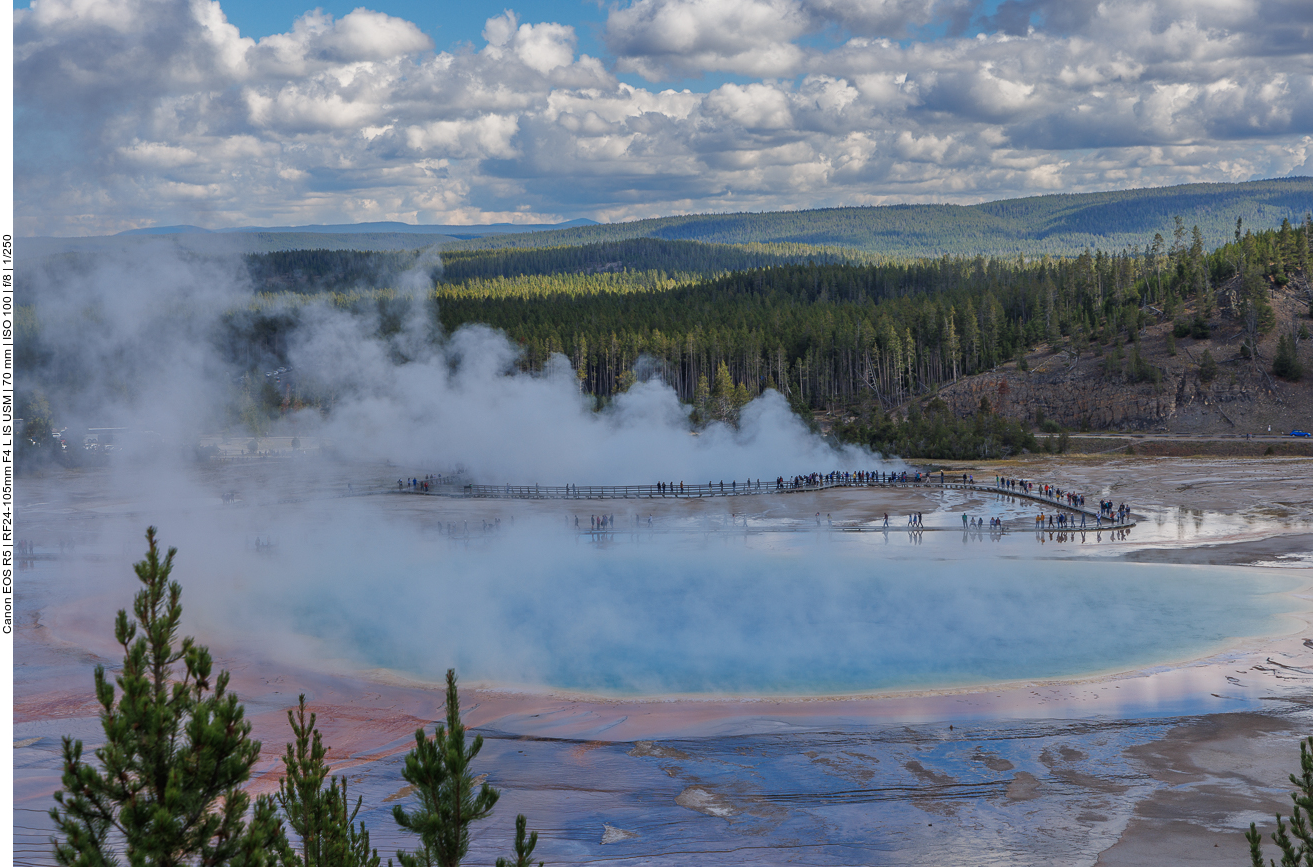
141, 112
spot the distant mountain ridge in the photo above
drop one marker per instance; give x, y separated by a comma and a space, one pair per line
392, 227
1060, 224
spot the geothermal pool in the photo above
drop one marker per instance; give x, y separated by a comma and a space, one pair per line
688, 619
704, 604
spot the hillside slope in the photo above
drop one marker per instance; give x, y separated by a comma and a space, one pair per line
1055, 225
1058, 225
1077, 391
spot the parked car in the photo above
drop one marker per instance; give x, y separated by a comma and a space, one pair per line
1300, 433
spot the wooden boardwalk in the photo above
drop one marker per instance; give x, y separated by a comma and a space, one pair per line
744, 489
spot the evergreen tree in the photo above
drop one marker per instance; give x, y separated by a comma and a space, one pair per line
1264, 317
1141, 370
1302, 243
1207, 367
1197, 271
722, 395
321, 818
523, 846
830, 331
1299, 851
702, 399
1155, 260
741, 397
38, 430
177, 751
1112, 362
1286, 363
439, 770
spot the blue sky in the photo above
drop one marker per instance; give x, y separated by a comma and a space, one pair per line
447, 23
154, 112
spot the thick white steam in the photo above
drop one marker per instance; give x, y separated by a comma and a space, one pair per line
148, 336
461, 401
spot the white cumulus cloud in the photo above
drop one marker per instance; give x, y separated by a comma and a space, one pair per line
139, 112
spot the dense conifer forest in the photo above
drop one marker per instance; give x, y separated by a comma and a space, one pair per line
317, 271
826, 335
720, 324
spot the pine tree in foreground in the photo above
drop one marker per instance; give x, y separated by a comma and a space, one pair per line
322, 819
439, 770
523, 846
1297, 852
168, 790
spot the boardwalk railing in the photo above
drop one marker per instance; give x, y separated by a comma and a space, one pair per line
679, 491
676, 491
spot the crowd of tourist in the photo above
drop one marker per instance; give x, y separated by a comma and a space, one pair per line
1109, 514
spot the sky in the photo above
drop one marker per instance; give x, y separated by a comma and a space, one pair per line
135, 113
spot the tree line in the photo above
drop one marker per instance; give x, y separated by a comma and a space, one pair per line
827, 335
319, 271
631, 254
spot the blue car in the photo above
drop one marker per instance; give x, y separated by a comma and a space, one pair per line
1300, 433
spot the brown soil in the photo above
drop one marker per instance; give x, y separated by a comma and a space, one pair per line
1072, 386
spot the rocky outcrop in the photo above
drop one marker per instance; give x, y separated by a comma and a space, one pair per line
1072, 400
1079, 393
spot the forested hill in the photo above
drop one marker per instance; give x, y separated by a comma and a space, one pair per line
1061, 225
312, 271
631, 254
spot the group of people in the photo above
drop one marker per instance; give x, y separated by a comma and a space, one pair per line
607, 522
1023, 485
1076, 501
855, 478
417, 484
734, 486
1117, 514
1108, 511
864, 477
1060, 521
807, 481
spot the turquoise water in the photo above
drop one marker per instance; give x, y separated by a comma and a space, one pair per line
648, 620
